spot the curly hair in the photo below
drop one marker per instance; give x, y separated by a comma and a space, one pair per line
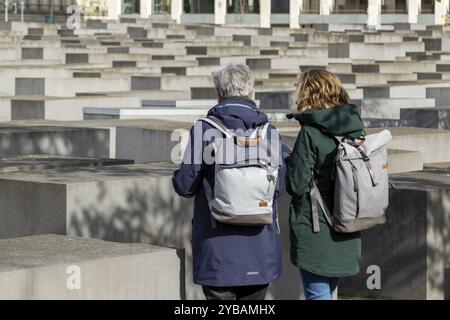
319, 89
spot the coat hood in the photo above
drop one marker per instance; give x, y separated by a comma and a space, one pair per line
338, 121
239, 113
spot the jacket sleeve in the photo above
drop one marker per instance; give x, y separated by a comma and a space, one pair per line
188, 179
301, 164
285, 152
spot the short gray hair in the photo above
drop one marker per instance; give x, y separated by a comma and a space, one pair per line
234, 80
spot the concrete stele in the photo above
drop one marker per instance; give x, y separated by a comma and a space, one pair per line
71, 268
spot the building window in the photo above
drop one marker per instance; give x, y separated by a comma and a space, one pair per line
243, 6
280, 6
427, 6
161, 6
198, 6
350, 6
131, 6
311, 6
394, 6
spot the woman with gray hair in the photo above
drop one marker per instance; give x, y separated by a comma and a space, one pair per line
235, 80
231, 262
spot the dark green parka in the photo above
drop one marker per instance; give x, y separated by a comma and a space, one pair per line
325, 253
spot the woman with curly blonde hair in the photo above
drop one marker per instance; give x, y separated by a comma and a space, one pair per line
324, 111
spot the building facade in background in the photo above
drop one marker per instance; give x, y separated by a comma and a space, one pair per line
263, 13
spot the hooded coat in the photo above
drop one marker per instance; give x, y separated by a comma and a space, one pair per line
326, 253
229, 255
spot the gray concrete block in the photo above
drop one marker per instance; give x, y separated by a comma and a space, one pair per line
279, 43
304, 68
412, 249
347, 78
402, 26
29, 86
66, 33
436, 118
447, 284
205, 31
160, 25
127, 20
36, 31
70, 42
193, 50
246, 39
376, 92
32, 53
76, 58
206, 61
40, 268
87, 75
45, 162
265, 31
175, 36
136, 32
366, 68
410, 38
163, 57
321, 27
110, 43
275, 100
118, 50
145, 83
32, 37
145, 140
301, 37
269, 52
131, 204
179, 71
152, 44
124, 64
203, 93
432, 44
78, 142
96, 24
441, 95
27, 109
382, 123
429, 76
339, 50
257, 64
356, 38
443, 68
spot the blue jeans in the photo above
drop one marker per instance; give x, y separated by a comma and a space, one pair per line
318, 287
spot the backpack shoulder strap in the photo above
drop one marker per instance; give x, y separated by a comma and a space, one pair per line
260, 132
219, 125
316, 201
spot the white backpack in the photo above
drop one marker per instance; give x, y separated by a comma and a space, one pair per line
245, 177
361, 193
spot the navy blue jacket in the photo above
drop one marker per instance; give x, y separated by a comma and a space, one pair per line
229, 255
